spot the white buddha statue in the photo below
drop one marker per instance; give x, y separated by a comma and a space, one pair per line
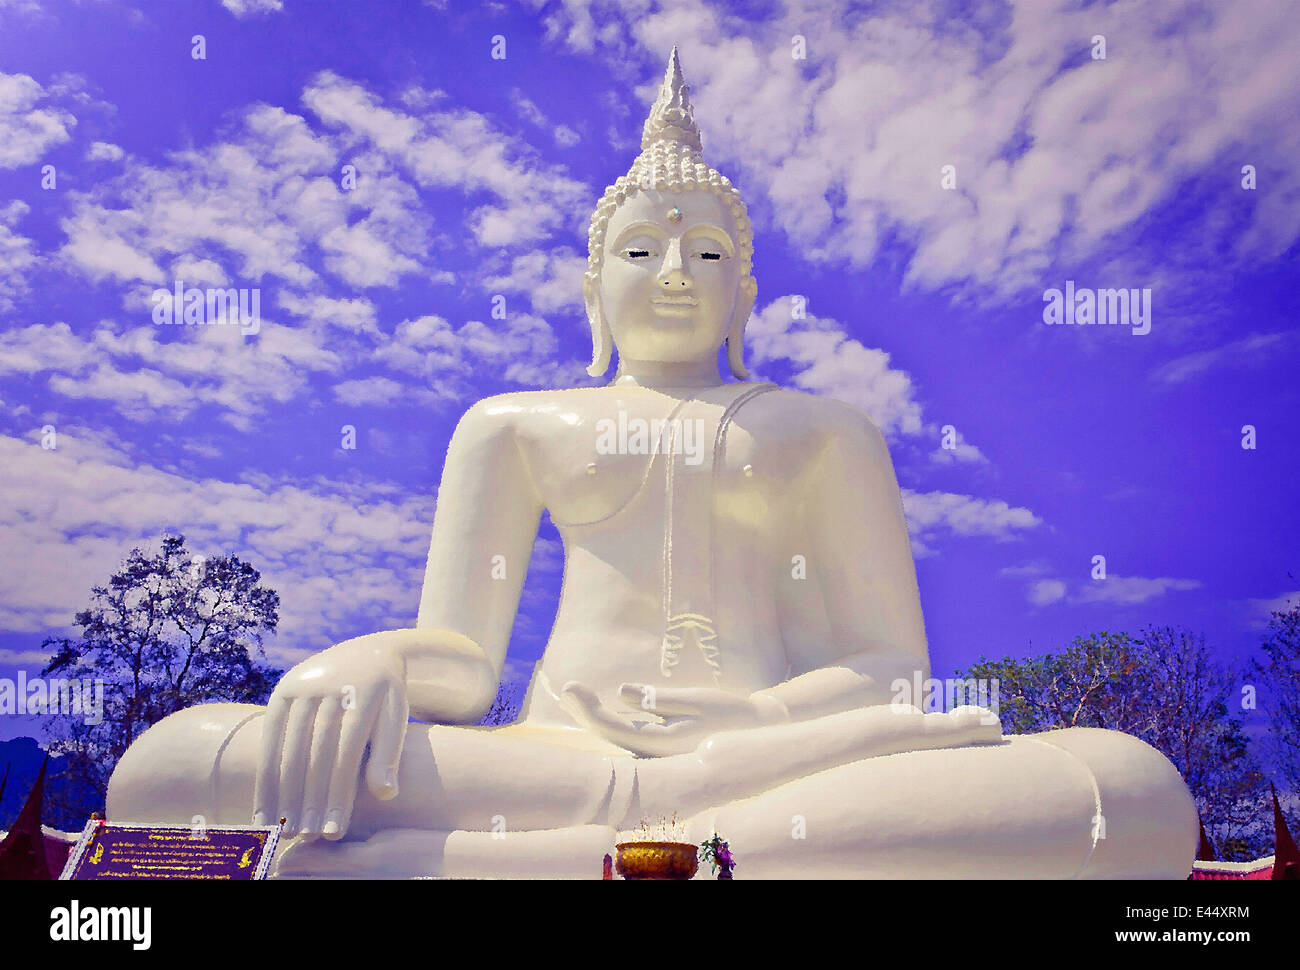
739, 601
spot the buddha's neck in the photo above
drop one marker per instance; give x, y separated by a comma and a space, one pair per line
665, 373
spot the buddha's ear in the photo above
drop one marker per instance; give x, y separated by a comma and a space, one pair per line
736, 333
602, 343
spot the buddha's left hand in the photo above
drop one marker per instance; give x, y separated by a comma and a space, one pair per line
687, 715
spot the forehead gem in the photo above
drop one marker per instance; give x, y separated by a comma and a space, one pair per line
674, 214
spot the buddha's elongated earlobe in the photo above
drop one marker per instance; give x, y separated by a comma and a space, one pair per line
736, 333
602, 342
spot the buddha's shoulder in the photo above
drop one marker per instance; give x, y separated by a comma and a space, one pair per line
522, 409
816, 415
514, 402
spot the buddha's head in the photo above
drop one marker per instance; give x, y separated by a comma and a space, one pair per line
670, 250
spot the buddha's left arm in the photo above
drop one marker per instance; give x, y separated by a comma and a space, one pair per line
861, 557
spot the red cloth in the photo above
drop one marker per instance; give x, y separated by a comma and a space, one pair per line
24, 853
1286, 857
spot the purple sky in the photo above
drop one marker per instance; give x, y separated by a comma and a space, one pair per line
476, 177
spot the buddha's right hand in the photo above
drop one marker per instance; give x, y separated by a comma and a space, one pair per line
319, 720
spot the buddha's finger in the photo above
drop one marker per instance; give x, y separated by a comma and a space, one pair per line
324, 743
975, 723
266, 785
353, 734
386, 745
293, 762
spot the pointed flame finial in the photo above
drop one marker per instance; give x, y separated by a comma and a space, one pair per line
671, 118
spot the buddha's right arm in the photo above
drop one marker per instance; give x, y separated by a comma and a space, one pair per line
483, 532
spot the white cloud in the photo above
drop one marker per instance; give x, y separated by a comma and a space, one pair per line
551, 279
360, 258
356, 315
370, 390
460, 149
97, 245
27, 131
423, 347
965, 515
252, 8
929, 514
827, 361
257, 204
1251, 350
150, 372
522, 348
573, 21
1262, 610
1046, 591
961, 452
141, 393
1033, 568
199, 272
17, 254
1130, 590
527, 109
37, 348
102, 151
1118, 590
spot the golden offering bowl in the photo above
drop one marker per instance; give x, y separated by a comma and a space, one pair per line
657, 860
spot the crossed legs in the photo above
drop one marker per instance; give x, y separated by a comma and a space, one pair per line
846, 795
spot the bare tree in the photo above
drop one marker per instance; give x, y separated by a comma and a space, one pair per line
1279, 674
168, 631
506, 705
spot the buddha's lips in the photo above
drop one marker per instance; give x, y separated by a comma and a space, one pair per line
675, 301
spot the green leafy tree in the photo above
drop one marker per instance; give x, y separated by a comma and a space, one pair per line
168, 631
1164, 687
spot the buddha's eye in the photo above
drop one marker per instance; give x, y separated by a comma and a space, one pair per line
710, 255
637, 253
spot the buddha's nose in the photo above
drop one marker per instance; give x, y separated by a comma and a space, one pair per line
673, 276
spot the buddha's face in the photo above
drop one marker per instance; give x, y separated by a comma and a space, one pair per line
670, 275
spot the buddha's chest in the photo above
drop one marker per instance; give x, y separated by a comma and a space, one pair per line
625, 466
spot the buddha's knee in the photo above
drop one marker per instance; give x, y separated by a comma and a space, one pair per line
1065, 804
199, 761
1147, 825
